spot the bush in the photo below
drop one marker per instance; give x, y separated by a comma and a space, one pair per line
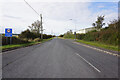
30, 40
61, 35
80, 36
6, 41
32, 35
37, 39
47, 36
89, 37
29, 35
72, 36
107, 35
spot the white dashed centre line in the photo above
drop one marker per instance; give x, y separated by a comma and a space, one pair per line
89, 63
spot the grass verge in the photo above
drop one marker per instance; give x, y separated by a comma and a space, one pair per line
23, 45
101, 45
97, 44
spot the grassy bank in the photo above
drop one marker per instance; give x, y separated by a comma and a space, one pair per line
101, 45
98, 44
23, 45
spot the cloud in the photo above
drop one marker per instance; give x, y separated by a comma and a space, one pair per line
46, 0
105, 0
60, 0
110, 15
57, 26
13, 17
56, 15
101, 6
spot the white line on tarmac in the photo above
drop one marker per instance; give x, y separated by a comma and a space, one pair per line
98, 49
89, 63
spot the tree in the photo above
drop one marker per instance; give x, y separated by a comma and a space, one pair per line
69, 32
27, 34
61, 35
35, 27
99, 23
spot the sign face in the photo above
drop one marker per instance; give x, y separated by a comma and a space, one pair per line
74, 33
8, 32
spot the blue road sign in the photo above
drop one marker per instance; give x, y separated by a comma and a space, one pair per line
8, 32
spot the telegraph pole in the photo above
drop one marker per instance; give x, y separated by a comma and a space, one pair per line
41, 27
75, 29
40, 18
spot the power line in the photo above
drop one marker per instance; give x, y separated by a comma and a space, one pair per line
40, 17
31, 7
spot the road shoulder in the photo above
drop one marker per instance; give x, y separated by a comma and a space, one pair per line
107, 51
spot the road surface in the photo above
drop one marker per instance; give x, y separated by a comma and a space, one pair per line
59, 58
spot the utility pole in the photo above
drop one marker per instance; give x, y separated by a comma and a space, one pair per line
40, 18
51, 32
75, 29
41, 27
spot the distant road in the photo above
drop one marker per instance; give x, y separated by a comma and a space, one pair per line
59, 58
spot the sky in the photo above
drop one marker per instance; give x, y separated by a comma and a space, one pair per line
16, 14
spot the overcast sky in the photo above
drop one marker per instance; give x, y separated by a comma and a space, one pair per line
16, 14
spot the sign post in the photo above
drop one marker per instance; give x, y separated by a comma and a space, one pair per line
75, 35
8, 33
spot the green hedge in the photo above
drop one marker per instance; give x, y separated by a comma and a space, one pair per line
32, 35
6, 41
72, 36
108, 35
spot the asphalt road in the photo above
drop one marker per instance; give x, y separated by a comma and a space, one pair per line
58, 58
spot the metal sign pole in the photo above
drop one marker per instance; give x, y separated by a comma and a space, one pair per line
10, 40
6, 40
75, 35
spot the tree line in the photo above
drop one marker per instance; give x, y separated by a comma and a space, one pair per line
29, 35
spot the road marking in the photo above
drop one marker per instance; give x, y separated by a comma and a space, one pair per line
98, 49
89, 63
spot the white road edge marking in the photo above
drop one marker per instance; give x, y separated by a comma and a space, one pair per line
98, 49
88, 63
